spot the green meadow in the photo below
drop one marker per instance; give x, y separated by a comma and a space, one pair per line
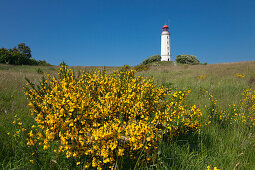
221, 145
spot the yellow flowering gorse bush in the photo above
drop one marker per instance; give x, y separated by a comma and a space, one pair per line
177, 118
243, 113
202, 77
99, 117
239, 75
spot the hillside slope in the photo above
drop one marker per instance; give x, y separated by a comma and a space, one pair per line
222, 145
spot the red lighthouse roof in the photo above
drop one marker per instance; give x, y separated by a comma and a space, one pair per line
165, 26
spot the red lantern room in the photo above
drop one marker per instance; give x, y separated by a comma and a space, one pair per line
165, 28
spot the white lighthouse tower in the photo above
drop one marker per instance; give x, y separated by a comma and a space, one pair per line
165, 44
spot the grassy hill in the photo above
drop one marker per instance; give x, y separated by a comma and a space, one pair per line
220, 79
224, 146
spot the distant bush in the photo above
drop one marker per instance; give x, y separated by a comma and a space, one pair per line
187, 59
141, 67
152, 59
43, 63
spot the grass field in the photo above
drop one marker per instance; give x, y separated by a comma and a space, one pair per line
226, 146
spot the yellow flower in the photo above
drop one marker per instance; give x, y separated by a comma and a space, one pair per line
99, 114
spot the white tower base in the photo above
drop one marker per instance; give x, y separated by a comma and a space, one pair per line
166, 58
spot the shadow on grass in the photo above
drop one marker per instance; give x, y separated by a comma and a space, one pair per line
179, 153
6, 148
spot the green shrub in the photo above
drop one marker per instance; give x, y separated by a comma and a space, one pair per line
187, 59
63, 64
39, 71
43, 63
152, 59
125, 68
100, 119
141, 67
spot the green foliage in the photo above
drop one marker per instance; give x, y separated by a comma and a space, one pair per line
125, 68
63, 64
24, 49
4, 55
151, 59
187, 59
222, 145
43, 63
20, 55
161, 63
39, 70
141, 67
12, 56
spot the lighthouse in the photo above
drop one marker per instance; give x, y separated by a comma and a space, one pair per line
165, 44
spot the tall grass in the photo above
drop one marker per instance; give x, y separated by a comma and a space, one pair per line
223, 145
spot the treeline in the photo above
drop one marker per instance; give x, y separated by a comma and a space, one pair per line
20, 55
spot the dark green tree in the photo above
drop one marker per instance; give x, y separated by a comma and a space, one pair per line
23, 48
4, 55
20, 55
17, 58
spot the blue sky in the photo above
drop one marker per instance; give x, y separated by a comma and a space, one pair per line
114, 33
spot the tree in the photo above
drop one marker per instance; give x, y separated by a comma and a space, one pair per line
4, 55
19, 56
24, 49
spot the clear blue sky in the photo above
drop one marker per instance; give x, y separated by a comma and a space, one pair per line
114, 33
